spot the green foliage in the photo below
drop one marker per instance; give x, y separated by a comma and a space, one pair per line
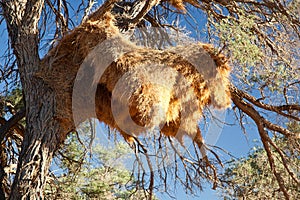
294, 126
263, 54
72, 155
252, 178
16, 97
238, 35
11, 102
99, 176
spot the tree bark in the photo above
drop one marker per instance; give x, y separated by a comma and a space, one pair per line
42, 128
47, 100
40, 141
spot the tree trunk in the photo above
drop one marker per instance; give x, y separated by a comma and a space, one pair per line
42, 135
40, 141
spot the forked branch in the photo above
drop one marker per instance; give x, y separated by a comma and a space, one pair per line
263, 125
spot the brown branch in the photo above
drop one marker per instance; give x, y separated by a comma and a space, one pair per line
149, 163
129, 14
277, 109
11, 123
59, 16
105, 7
142, 11
261, 125
284, 161
87, 10
280, 181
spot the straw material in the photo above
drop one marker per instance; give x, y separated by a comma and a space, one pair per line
152, 88
179, 4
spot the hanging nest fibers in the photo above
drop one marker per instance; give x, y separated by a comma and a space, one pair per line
152, 88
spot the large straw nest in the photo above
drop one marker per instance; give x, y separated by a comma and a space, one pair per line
161, 87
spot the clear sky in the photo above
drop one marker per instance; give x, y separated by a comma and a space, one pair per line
3, 47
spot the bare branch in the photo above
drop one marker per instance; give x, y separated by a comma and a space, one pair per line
277, 109
99, 13
11, 123
87, 10
262, 124
139, 12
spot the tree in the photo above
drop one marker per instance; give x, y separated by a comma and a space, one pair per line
252, 178
100, 176
260, 37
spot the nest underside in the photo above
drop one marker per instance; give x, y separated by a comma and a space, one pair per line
142, 88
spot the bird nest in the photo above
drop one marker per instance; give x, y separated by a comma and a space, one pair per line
134, 89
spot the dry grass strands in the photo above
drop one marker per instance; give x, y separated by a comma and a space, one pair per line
160, 88
179, 4
66, 58
148, 87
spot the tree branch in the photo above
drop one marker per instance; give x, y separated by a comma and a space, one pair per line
105, 7
11, 123
139, 12
262, 124
278, 109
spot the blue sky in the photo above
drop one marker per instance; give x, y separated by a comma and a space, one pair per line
231, 139
3, 46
